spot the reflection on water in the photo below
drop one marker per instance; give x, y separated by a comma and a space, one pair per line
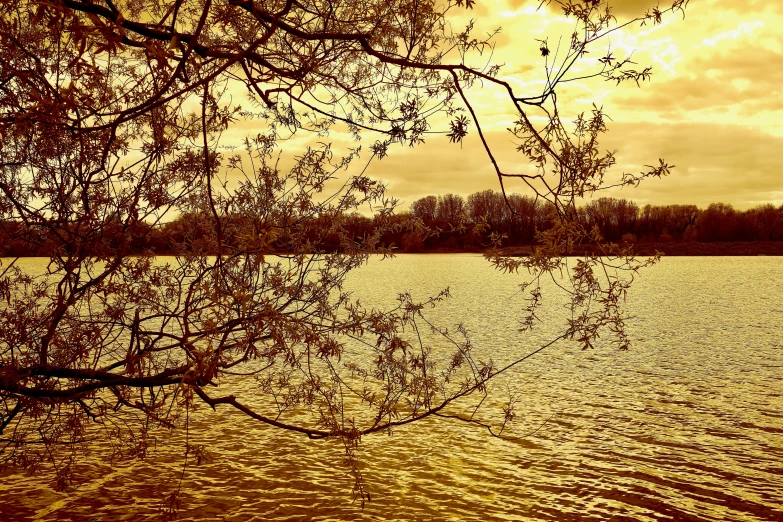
688, 425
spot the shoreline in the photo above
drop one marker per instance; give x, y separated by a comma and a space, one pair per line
681, 248
674, 248
694, 249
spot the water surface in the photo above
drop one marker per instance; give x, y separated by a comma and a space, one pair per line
687, 425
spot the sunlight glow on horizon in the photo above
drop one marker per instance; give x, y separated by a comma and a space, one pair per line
712, 107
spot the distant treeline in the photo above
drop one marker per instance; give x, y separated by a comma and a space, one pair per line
617, 220
434, 223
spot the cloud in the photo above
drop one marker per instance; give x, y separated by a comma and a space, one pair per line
634, 8
736, 84
714, 107
436, 167
714, 163
702, 92
625, 9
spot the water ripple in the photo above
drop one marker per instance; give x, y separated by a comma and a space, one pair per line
687, 426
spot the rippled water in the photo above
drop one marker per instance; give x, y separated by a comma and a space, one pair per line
687, 425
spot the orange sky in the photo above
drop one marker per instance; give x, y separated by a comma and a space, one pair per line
713, 107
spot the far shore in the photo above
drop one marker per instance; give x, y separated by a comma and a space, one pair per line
738, 248
680, 248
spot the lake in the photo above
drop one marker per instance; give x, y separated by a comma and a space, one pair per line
686, 425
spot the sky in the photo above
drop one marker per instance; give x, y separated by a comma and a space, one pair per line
713, 107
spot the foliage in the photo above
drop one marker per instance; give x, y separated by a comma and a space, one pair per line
116, 116
454, 225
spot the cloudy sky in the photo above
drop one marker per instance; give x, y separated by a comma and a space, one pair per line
713, 108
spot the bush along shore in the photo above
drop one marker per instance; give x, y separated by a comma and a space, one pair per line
437, 224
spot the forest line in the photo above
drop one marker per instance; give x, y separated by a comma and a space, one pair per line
447, 223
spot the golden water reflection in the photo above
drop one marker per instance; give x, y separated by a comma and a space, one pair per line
688, 425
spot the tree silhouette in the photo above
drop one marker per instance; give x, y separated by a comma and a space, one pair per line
424, 209
451, 209
115, 118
